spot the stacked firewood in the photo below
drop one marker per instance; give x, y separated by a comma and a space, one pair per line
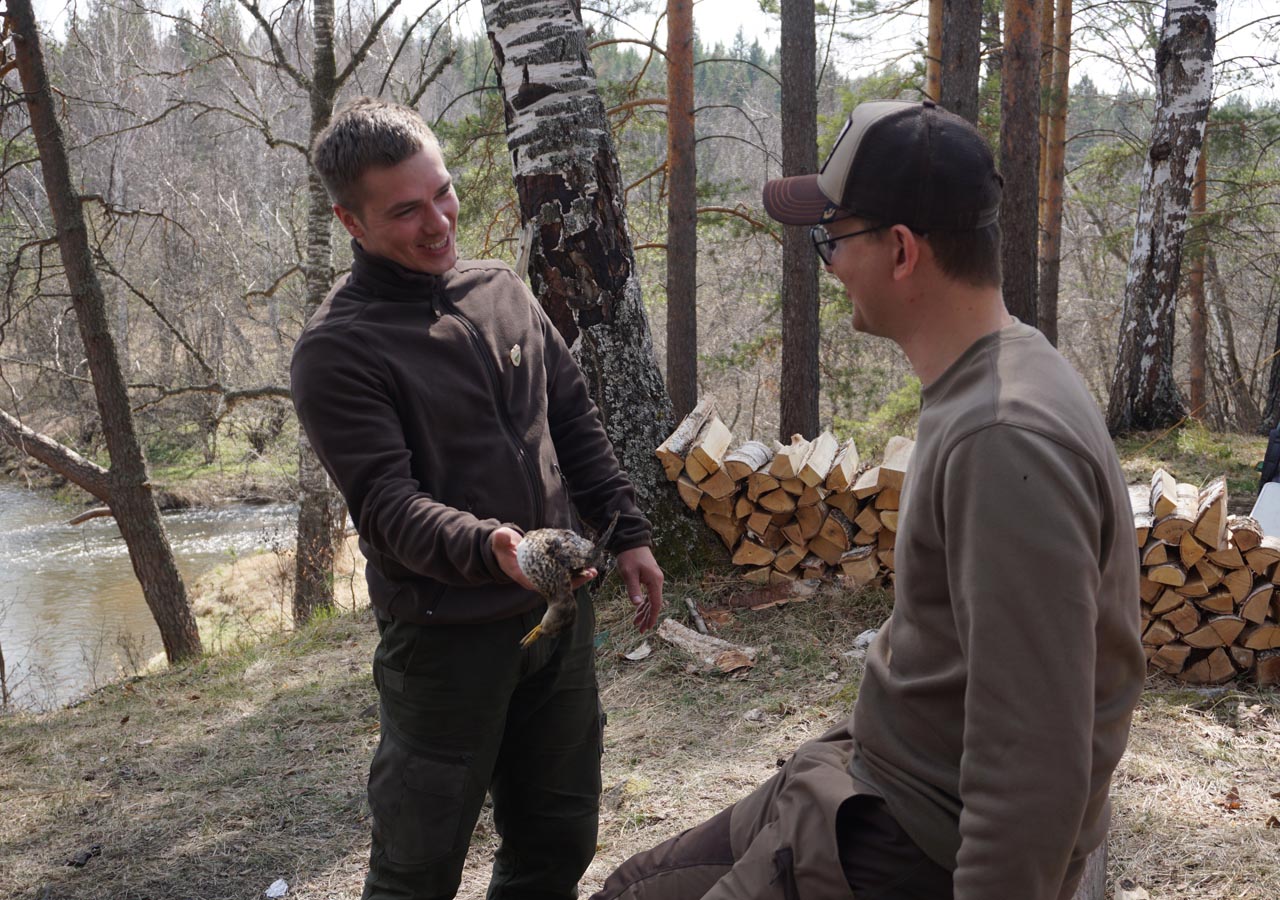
1210, 612
808, 509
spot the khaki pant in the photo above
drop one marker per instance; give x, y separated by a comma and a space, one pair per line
465, 710
808, 832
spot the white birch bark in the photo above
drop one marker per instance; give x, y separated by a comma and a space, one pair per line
581, 264
1143, 392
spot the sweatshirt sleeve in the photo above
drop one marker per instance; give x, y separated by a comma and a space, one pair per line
597, 484
1023, 533
344, 402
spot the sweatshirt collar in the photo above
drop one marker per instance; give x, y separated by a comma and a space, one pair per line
388, 280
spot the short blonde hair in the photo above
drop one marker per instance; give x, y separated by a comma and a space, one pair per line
364, 134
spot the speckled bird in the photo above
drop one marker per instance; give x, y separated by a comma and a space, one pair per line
551, 558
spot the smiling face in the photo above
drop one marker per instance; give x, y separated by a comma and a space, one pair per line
408, 213
860, 263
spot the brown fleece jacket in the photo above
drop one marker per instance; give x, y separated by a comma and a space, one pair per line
443, 407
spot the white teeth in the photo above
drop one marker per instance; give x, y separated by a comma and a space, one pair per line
439, 246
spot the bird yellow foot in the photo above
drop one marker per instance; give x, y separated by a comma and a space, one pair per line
531, 636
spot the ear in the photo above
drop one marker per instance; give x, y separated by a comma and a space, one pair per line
349, 221
906, 249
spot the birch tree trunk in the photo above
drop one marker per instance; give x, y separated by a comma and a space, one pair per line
129, 491
320, 509
1055, 174
961, 53
798, 397
1196, 314
1143, 392
682, 213
1020, 157
581, 264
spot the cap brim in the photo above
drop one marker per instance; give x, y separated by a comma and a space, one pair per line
797, 201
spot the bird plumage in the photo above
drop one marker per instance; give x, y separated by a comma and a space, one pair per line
551, 558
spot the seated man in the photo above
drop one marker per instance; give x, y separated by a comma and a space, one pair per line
996, 700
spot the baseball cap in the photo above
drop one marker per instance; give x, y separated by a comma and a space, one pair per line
897, 162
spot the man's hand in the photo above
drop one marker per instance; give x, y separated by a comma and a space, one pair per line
643, 579
504, 542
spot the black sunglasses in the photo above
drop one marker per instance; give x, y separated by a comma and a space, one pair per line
822, 239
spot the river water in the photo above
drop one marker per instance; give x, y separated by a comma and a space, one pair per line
72, 616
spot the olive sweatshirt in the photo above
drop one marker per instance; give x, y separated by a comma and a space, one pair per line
443, 407
996, 700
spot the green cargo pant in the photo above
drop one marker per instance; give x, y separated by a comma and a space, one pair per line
464, 710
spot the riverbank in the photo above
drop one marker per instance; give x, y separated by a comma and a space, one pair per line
213, 780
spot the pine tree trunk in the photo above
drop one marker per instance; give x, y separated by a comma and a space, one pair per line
1020, 157
130, 496
933, 54
961, 52
581, 264
1055, 174
320, 509
1143, 392
1046, 87
798, 398
682, 213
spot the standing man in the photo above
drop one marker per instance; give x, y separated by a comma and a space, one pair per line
996, 699
452, 417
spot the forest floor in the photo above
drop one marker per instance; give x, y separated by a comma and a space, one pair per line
213, 780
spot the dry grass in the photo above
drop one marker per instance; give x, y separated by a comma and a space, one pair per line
212, 781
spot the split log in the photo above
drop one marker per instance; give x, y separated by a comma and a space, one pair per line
778, 501
868, 483
1211, 515
1218, 602
1261, 637
1216, 668
759, 484
860, 564
787, 461
689, 492
837, 531
1164, 494
750, 553
789, 557
1184, 619
711, 444
1246, 533
751, 456
1257, 605
718, 484
818, 462
1190, 550
710, 506
1171, 658
675, 448
889, 498
844, 467
893, 468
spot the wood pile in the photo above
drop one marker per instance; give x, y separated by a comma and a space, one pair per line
807, 509
1210, 610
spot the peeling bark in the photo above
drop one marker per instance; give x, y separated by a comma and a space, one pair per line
128, 489
581, 264
1143, 392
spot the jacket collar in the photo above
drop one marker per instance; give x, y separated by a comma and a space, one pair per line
388, 280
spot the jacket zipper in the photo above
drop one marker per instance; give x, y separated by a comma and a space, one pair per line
504, 416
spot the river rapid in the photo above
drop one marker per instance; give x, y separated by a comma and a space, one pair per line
72, 616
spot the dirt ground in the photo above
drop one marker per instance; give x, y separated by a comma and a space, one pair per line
214, 780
